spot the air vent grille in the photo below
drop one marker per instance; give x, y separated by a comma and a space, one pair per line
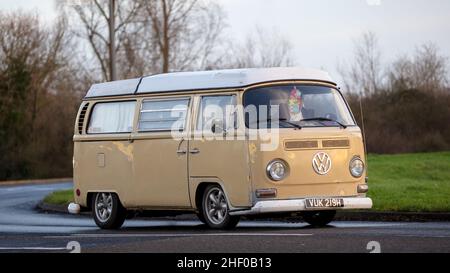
304, 144
82, 118
336, 143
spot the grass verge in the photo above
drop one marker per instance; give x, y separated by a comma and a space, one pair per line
63, 197
410, 182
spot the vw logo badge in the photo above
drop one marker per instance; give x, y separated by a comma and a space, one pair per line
321, 163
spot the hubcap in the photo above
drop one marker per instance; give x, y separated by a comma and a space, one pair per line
216, 205
103, 206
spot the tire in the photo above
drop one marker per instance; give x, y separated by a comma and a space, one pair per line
319, 218
201, 218
215, 209
107, 211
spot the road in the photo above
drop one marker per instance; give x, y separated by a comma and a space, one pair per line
23, 229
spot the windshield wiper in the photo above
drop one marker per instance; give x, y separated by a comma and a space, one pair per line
290, 123
325, 119
281, 120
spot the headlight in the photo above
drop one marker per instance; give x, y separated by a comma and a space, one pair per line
356, 167
277, 169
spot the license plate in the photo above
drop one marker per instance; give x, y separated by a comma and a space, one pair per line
324, 203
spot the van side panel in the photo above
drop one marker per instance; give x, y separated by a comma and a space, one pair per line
224, 161
160, 178
101, 162
103, 166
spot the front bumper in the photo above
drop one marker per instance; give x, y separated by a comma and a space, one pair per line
292, 205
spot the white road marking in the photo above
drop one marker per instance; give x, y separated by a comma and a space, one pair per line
351, 224
423, 236
33, 248
176, 235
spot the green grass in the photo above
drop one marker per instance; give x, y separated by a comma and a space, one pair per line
410, 182
404, 182
60, 197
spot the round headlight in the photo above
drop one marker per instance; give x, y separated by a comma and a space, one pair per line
277, 170
356, 167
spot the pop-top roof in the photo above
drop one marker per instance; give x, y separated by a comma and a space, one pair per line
214, 79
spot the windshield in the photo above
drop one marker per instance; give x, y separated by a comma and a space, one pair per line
300, 105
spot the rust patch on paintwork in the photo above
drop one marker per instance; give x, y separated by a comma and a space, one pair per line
252, 151
127, 150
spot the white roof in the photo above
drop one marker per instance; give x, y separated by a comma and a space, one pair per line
214, 79
115, 88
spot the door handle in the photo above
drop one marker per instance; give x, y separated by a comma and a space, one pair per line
181, 152
194, 151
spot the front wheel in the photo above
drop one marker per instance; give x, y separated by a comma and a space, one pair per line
319, 218
107, 210
215, 210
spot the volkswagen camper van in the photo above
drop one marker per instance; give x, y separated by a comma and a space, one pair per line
221, 144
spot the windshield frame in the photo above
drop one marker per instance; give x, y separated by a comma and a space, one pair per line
304, 83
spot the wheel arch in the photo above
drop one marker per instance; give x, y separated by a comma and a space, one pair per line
90, 195
200, 189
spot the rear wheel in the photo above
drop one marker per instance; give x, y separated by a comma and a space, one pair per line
215, 211
319, 218
107, 210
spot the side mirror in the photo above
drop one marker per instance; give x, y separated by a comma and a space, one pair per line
217, 126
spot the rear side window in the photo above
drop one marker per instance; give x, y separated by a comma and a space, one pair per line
163, 115
112, 117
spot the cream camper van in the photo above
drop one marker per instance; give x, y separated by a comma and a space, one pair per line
221, 144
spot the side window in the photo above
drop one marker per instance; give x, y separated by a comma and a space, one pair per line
112, 117
163, 115
222, 108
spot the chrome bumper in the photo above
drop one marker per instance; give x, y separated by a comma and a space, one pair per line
292, 205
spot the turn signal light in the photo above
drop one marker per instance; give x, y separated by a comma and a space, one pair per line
363, 188
266, 193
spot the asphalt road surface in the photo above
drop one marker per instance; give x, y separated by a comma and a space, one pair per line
23, 229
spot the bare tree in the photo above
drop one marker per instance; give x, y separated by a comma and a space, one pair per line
401, 74
365, 74
425, 70
183, 34
24, 41
152, 36
36, 81
95, 19
430, 68
262, 49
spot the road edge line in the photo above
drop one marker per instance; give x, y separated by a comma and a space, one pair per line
35, 181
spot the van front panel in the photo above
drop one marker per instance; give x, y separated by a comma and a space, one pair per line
309, 128
302, 180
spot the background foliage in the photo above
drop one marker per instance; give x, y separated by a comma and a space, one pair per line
45, 69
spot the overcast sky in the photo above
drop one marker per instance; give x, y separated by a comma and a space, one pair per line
322, 31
